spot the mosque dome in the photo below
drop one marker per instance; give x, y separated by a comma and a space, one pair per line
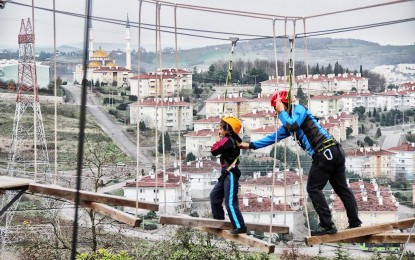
110, 64
99, 54
94, 64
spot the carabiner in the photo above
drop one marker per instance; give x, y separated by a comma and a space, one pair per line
327, 153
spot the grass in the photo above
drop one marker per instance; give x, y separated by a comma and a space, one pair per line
67, 131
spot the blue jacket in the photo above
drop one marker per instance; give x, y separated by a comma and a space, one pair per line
310, 134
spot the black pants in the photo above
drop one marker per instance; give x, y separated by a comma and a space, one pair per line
227, 189
323, 170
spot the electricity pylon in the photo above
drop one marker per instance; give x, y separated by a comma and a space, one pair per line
28, 155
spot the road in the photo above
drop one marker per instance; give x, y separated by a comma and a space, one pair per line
107, 124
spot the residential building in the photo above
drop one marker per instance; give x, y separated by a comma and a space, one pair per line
202, 174
371, 162
206, 123
199, 143
232, 105
287, 187
169, 113
375, 202
403, 161
258, 119
167, 191
317, 84
338, 124
256, 209
165, 82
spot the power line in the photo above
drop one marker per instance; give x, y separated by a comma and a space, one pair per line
170, 29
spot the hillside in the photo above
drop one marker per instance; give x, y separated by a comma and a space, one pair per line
350, 53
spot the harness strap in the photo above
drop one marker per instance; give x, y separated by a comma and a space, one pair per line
326, 144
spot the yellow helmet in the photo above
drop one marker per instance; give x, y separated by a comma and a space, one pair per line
234, 122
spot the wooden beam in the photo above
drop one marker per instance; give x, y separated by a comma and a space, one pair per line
113, 213
218, 224
10, 183
70, 194
383, 238
353, 233
242, 239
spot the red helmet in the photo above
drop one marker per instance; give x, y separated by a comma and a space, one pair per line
279, 96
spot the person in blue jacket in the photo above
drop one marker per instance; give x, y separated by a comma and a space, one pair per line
228, 183
328, 163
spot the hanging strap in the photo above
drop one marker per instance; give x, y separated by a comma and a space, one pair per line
229, 76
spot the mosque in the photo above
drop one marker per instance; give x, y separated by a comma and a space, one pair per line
101, 68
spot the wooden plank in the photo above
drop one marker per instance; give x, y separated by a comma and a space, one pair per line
7, 183
218, 224
360, 232
383, 238
242, 239
113, 213
70, 194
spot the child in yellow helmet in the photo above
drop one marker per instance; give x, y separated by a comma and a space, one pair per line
228, 184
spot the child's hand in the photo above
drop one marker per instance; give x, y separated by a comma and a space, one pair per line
218, 138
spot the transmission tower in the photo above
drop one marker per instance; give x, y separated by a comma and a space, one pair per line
28, 155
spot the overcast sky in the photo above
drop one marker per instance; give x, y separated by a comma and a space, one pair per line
71, 29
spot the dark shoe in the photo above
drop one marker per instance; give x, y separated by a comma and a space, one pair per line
350, 226
319, 231
237, 231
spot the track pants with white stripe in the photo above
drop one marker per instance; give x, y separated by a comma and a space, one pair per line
226, 189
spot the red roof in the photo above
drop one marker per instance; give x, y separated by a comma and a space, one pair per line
257, 203
372, 203
267, 181
150, 181
204, 132
405, 147
356, 152
151, 102
207, 167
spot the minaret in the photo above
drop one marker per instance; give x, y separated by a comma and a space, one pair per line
90, 40
127, 45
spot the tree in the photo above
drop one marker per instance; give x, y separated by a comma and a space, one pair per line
97, 84
329, 69
167, 143
368, 141
190, 157
378, 133
349, 130
360, 111
99, 153
301, 96
142, 126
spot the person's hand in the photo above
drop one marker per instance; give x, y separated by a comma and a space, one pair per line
218, 137
279, 107
243, 145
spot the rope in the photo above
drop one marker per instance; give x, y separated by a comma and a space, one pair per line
55, 92
291, 75
81, 139
156, 116
163, 108
306, 64
137, 115
407, 241
229, 76
275, 143
179, 112
35, 95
